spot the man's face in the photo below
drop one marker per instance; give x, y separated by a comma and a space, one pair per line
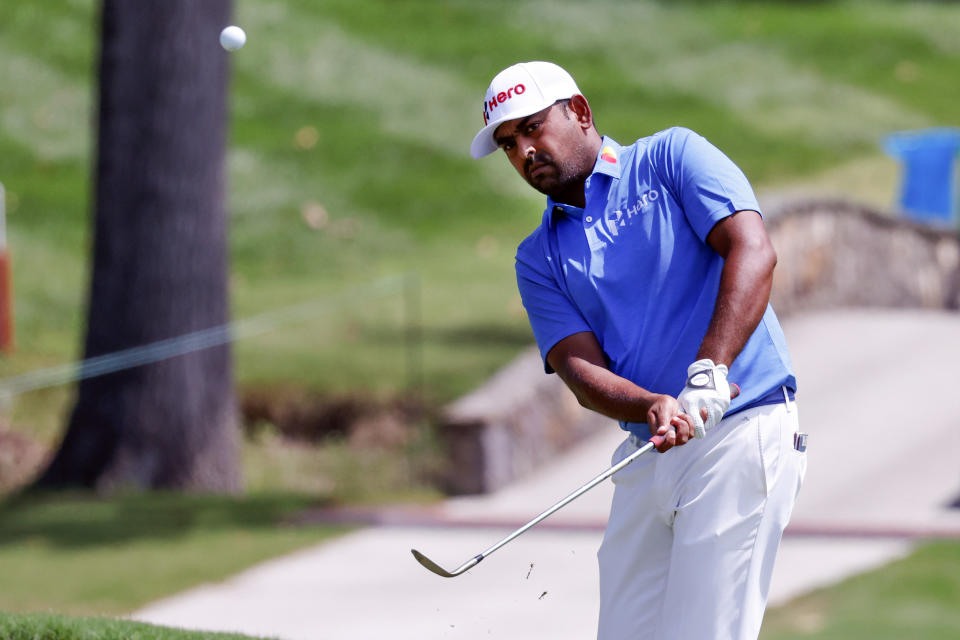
549, 149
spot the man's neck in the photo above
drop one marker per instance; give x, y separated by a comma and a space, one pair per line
573, 196
574, 192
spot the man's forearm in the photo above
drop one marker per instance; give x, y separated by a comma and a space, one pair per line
579, 360
599, 389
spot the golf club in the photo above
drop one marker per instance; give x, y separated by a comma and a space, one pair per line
655, 441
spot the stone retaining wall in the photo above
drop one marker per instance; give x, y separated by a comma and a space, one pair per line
830, 254
836, 254
511, 425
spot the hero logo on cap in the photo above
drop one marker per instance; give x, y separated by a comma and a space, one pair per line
500, 98
517, 92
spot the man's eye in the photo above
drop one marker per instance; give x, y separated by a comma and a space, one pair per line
506, 146
533, 126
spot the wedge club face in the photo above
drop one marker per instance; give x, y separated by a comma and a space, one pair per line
440, 571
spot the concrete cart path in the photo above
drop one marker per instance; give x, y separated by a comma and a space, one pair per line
877, 394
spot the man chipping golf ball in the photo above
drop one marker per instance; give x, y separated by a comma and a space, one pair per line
647, 286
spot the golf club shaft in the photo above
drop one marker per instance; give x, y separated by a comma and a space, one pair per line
653, 442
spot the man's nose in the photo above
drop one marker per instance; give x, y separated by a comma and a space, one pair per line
526, 148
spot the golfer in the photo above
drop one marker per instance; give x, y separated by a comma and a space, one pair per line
647, 286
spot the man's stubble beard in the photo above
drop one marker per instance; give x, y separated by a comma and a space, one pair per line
567, 175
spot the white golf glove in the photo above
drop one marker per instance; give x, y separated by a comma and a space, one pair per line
707, 388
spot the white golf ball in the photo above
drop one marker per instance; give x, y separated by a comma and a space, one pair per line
232, 38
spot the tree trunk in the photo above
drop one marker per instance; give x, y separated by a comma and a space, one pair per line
159, 257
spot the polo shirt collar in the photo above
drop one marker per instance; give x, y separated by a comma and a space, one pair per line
607, 162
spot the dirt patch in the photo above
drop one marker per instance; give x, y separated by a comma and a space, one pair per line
315, 418
20, 459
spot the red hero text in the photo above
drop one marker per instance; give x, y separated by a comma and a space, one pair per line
500, 98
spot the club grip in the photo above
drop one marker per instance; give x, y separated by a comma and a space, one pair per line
734, 392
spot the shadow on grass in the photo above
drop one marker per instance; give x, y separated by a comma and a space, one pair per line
479, 334
79, 519
484, 335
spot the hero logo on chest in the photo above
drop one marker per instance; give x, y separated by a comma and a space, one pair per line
627, 214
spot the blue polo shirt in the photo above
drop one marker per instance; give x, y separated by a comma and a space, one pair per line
634, 267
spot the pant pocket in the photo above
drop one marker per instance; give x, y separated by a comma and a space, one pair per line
636, 470
770, 434
622, 451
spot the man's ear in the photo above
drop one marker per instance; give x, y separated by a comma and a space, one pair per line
581, 111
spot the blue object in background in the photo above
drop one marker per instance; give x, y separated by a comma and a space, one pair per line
928, 185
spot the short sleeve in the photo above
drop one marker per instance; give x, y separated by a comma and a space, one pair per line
552, 315
708, 183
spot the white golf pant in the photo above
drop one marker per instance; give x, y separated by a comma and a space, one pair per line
693, 533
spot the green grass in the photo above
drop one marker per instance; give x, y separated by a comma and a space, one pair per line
55, 627
912, 598
402, 471
384, 97
79, 554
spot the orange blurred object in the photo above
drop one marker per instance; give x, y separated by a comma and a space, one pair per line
6, 303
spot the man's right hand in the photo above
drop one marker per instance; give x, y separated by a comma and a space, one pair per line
666, 418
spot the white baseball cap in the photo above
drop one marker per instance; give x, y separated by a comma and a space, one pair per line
517, 92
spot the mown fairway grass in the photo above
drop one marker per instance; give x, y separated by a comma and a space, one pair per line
77, 554
55, 627
912, 598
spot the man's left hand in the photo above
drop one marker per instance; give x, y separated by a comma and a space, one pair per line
707, 389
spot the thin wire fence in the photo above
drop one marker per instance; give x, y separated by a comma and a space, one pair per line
405, 285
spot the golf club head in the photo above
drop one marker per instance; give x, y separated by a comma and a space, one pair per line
430, 565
